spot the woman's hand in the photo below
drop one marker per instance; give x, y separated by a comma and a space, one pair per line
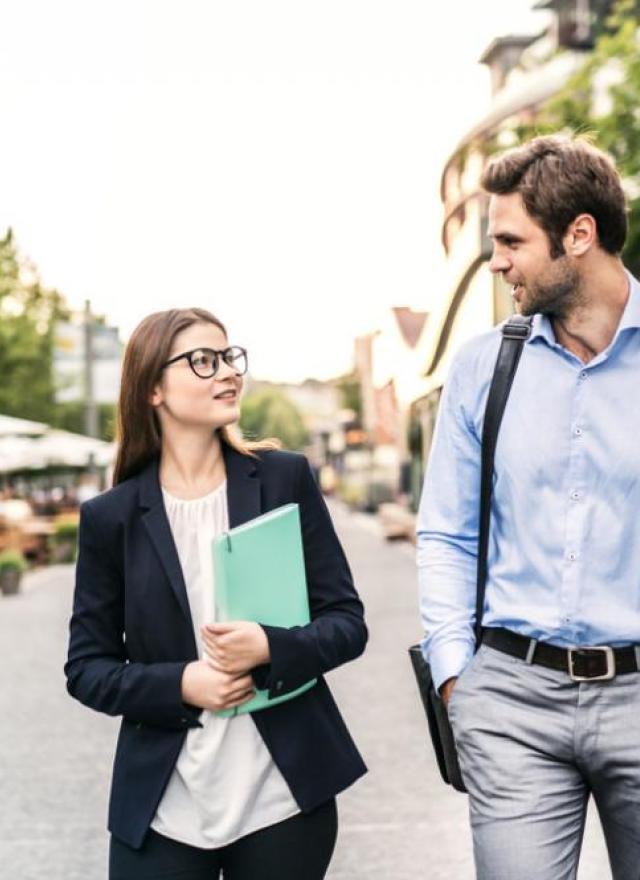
235, 646
209, 688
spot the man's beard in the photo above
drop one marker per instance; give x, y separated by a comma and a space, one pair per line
556, 295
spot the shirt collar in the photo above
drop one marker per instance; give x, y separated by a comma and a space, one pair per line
631, 315
541, 325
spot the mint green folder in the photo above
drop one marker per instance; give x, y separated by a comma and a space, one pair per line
260, 576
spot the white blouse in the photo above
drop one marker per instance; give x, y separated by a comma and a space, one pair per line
224, 784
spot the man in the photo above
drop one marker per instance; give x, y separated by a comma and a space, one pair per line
564, 548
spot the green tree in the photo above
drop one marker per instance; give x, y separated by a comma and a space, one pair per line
28, 313
351, 393
268, 412
602, 100
71, 417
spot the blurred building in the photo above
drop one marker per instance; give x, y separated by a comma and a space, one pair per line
87, 364
388, 368
320, 407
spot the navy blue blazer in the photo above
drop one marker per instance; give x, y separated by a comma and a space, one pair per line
131, 635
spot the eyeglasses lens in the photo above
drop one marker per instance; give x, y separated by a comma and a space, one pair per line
204, 362
236, 357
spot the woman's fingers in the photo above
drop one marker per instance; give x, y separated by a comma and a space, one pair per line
216, 647
244, 698
235, 705
225, 639
209, 641
240, 693
212, 631
214, 653
228, 650
242, 683
214, 650
227, 660
229, 667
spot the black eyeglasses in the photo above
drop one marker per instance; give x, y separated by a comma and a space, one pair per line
205, 362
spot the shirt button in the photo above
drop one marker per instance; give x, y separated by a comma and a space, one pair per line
572, 556
577, 432
583, 374
575, 496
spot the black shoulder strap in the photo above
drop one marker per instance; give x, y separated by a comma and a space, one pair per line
514, 334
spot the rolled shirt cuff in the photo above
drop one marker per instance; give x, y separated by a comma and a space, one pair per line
447, 659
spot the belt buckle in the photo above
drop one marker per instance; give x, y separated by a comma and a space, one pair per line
607, 652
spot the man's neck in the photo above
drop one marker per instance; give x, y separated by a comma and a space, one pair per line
589, 328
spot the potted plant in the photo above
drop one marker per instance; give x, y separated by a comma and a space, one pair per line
12, 566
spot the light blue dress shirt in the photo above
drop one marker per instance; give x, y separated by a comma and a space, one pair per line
564, 546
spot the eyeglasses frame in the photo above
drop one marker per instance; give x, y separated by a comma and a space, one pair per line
219, 353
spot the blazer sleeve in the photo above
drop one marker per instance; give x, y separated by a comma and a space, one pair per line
98, 671
337, 632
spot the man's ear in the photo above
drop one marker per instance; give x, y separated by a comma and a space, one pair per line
581, 236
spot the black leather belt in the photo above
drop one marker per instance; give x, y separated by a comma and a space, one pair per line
584, 663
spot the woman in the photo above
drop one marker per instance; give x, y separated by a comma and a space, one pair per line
194, 793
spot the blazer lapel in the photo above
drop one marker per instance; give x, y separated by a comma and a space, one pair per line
243, 499
243, 486
157, 525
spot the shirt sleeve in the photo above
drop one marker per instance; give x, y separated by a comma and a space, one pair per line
447, 536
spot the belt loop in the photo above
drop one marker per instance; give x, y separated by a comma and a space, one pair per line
531, 650
636, 651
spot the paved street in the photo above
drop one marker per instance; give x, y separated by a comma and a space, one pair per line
398, 823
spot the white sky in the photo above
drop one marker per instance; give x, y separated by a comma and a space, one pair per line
275, 161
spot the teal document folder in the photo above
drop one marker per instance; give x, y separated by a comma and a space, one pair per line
260, 575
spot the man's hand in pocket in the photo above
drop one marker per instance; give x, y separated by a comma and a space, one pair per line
446, 690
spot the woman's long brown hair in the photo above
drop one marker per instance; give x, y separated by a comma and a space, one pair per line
137, 425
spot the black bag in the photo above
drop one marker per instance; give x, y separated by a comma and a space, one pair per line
439, 727
514, 333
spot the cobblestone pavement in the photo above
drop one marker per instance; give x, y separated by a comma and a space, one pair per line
399, 822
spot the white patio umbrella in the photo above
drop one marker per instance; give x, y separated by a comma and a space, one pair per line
73, 450
12, 427
18, 453
61, 448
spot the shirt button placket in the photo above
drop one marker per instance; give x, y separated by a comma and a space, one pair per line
574, 514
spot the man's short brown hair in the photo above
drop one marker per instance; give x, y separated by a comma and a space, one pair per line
559, 178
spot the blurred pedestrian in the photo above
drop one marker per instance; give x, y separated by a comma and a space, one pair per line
193, 792
547, 711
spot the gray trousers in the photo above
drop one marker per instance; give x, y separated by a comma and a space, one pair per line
533, 745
